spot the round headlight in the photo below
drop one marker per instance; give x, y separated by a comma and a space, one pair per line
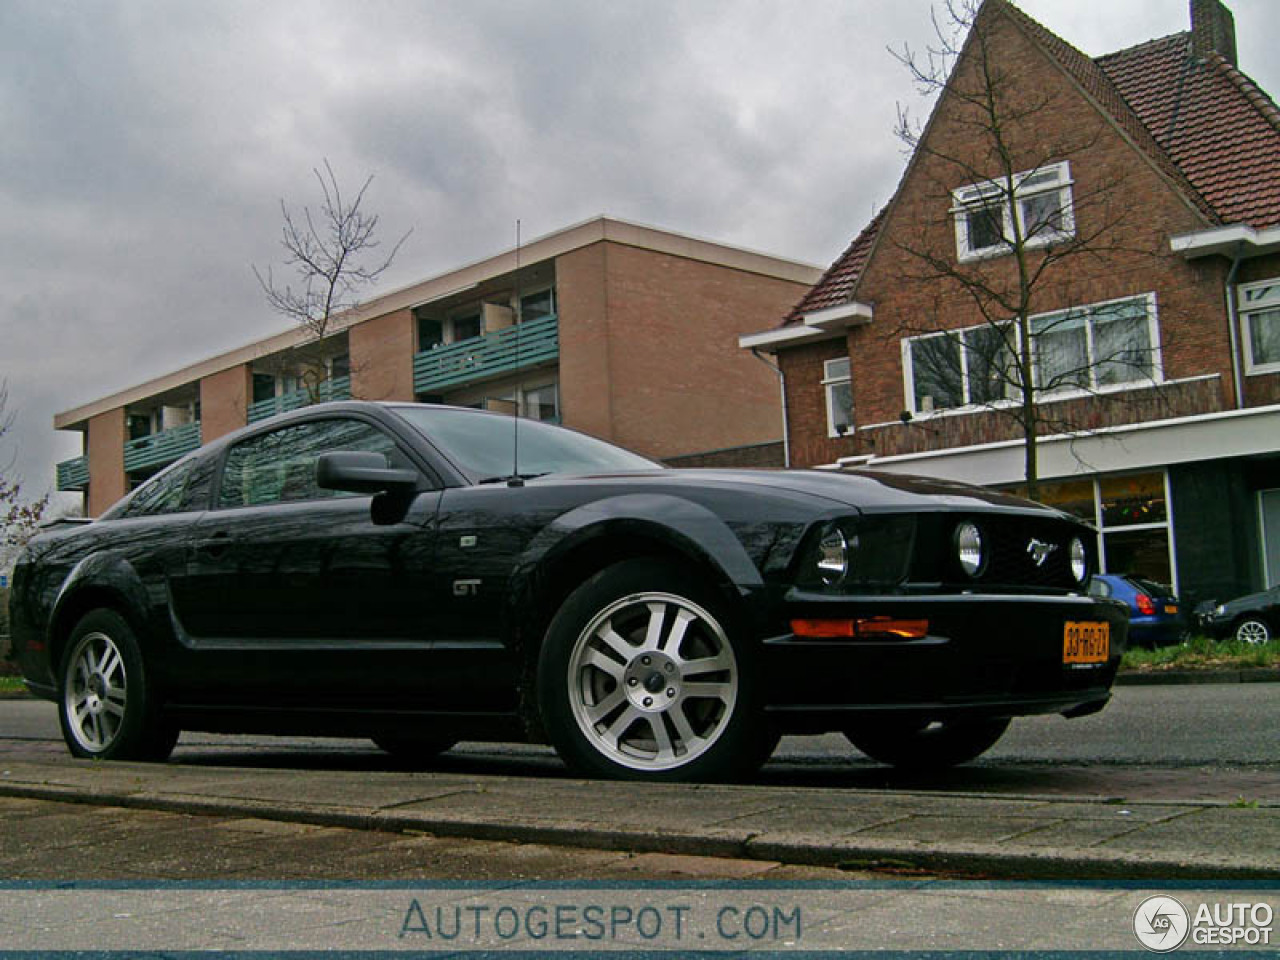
833, 556
970, 550
1079, 560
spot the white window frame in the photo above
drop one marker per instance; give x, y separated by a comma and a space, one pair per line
1253, 298
989, 193
965, 389
829, 382
1063, 392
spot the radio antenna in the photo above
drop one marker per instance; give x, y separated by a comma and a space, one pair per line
515, 479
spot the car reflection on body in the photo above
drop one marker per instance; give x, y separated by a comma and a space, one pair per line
386, 570
1156, 618
1252, 619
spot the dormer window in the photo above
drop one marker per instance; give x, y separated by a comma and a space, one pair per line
985, 216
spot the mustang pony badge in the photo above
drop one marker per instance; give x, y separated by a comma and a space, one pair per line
1039, 551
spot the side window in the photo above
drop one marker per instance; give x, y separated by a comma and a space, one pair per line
163, 493
280, 467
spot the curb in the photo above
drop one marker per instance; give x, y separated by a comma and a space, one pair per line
963, 860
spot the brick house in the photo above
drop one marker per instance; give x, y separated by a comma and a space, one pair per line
608, 327
1156, 356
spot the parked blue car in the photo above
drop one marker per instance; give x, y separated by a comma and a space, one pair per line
1156, 618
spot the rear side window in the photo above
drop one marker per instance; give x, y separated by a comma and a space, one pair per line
161, 494
280, 466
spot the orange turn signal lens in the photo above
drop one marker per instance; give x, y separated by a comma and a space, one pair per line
863, 627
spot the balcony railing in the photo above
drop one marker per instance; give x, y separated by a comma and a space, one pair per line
157, 449
488, 355
339, 388
73, 474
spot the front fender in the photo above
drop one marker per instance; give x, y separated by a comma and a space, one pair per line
688, 527
100, 579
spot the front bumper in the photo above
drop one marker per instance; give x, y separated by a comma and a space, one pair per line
982, 655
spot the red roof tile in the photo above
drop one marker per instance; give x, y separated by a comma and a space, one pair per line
1216, 124
837, 284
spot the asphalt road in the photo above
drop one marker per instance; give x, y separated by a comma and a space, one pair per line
1215, 731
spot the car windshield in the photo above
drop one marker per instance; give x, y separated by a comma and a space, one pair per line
481, 445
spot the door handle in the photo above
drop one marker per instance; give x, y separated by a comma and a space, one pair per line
217, 544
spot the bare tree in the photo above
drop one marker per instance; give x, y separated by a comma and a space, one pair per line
19, 517
333, 253
1020, 237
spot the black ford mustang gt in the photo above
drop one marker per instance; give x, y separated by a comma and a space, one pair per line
381, 570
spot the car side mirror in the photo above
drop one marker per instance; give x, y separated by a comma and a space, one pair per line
360, 471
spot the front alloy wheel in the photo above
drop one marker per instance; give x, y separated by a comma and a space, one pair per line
108, 710
641, 678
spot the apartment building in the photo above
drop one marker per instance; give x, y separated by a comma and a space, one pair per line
622, 331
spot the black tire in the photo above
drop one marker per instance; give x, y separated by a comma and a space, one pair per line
927, 746
411, 749
107, 705
673, 697
1252, 630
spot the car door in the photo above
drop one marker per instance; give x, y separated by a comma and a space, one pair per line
293, 595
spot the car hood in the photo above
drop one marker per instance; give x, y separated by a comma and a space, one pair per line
867, 491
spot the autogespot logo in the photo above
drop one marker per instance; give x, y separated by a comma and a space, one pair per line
1161, 923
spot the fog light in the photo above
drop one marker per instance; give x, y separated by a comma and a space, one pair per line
970, 549
1079, 560
833, 557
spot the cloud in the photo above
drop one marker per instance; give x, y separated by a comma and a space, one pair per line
148, 144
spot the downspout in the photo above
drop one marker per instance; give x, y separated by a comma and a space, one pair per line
782, 386
1233, 322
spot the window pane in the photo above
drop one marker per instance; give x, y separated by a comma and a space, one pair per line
1264, 336
837, 369
464, 328
537, 305
840, 406
1061, 351
281, 466
990, 364
1133, 500
1071, 496
985, 226
935, 370
1042, 214
540, 403
1141, 553
1122, 343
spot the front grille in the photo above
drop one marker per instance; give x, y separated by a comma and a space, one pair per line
1012, 543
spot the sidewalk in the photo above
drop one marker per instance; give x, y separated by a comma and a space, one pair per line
967, 834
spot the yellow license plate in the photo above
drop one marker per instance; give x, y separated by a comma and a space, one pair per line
1086, 641
1171, 608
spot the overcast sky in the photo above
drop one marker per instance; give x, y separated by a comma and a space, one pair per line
145, 146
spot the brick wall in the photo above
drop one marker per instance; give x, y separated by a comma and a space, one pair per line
105, 448
1118, 197
807, 404
678, 380
649, 355
381, 351
755, 456
581, 294
224, 402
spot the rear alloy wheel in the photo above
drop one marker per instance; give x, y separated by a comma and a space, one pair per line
642, 677
1253, 630
927, 746
107, 709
